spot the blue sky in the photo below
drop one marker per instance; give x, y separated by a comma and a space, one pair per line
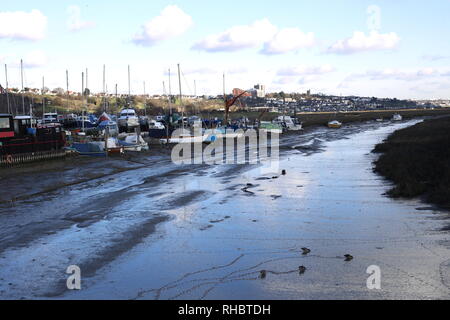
373, 48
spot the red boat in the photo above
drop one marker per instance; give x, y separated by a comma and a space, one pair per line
20, 140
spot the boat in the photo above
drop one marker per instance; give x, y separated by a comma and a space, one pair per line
110, 126
97, 148
212, 135
22, 140
397, 117
267, 126
50, 117
158, 130
184, 137
70, 121
334, 124
85, 122
379, 120
133, 142
288, 123
144, 123
128, 119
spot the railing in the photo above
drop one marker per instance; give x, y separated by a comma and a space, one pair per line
11, 160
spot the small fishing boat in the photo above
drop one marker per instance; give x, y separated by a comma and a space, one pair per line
106, 124
158, 130
97, 148
184, 137
288, 123
133, 142
334, 124
397, 117
379, 120
267, 126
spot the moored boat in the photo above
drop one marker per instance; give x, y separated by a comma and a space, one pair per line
267, 126
128, 119
289, 123
334, 124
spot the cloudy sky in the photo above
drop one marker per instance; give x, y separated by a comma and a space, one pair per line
373, 48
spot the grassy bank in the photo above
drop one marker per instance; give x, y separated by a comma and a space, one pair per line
417, 160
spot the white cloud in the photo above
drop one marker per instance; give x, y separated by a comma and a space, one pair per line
259, 33
289, 39
361, 42
172, 22
22, 25
239, 37
74, 22
305, 70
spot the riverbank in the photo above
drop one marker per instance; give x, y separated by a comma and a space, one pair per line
417, 160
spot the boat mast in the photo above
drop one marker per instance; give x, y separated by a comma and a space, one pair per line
104, 88
129, 82
145, 102
82, 97
170, 95
7, 94
169, 120
116, 97
181, 96
87, 86
195, 96
195, 88
67, 90
21, 77
43, 98
225, 101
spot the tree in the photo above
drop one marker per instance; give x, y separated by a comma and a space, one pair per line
59, 91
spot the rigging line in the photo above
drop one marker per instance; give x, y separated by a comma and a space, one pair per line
187, 84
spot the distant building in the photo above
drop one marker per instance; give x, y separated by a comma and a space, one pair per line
237, 91
260, 91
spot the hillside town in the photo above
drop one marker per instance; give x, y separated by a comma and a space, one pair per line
254, 99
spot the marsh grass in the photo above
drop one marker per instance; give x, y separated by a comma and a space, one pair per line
417, 160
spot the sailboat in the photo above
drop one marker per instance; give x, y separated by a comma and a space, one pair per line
224, 131
128, 118
184, 135
90, 146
